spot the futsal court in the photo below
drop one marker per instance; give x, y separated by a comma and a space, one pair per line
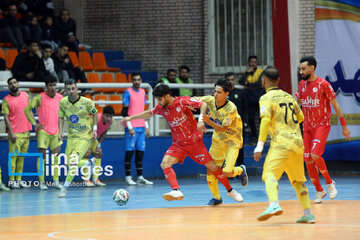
90, 213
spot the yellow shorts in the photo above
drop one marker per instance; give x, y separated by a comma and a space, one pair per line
223, 155
21, 144
278, 160
76, 146
46, 140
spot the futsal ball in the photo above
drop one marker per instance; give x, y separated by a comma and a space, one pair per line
121, 197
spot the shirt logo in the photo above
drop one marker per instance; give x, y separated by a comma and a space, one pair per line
303, 89
315, 89
309, 102
217, 121
178, 109
236, 96
74, 118
262, 110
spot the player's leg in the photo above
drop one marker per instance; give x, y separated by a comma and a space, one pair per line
139, 156
97, 153
320, 136
13, 146
273, 169
24, 147
43, 141
229, 168
2, 185
87, 172
218, 156
129, 152
172, 156
55, 148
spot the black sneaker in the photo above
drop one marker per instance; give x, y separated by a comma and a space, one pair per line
214, 202
244, 179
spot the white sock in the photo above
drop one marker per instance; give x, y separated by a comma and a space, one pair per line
274, 204
66, 184
307, 212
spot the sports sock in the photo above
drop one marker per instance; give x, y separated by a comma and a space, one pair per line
139, 162
237, 171
41, 177
303, 194
128, 157
86, 171
223, 179
55, 166
213, 185
320, 163
170, 176
271, 187
96, 172
314, 176
19, 167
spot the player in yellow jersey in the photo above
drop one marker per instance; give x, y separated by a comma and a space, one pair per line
227, 137
81, 130
280, 116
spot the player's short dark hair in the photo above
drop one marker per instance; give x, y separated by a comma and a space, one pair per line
70, 81
31, 42
250, 57
135, 74
170, 70
228, 74
11, 78
108, 110
225, 84
49, 79
161, 90
62, 45
311, 61
271, 73
184, 67
44, 46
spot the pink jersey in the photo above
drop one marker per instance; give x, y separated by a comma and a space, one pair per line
315, 97
101, 127
181, 120
17, 118
136, 106
48, 112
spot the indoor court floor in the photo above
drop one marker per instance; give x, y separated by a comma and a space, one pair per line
90, 213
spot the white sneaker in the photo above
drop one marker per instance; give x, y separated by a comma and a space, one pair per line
332, 190
3, 187
89, 183
23, 184
43, 186
235, 195
56, 184
173, 195
142, 180
319, 196
14, 185
129, 180
98, 183
63, 192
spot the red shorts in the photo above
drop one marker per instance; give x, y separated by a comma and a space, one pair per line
196, 151
315, 141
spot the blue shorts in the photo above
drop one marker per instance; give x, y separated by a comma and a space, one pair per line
135, 142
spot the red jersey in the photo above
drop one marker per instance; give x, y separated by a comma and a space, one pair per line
315, 97
181, 120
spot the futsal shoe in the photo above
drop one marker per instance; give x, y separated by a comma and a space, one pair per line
173, 195
129, 181
269, 212
98, 183
57, 185
63, 192
214, 202
235, 195
3, 187
14, 185
142, 180
43, 186
88, 183
306, 219
319, 196
332, 190
23, 184
244, 179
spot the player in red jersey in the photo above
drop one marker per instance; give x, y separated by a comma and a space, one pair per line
186, 137
315, 95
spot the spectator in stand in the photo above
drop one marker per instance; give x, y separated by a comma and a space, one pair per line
253, 90
29, 66
39, 8
66, 30
49, 33
11, 21
48, 61
64, 68
6, 35
184, 78
170, 78
32, 30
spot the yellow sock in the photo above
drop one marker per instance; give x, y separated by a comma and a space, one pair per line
213, 185
237, 171
73, 168
86, 170
96, 172
13, 167
271, 186
302, 194
41, 178
19, 167
56, 165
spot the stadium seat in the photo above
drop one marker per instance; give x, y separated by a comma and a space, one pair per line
100, 64
93, 78
2, 54
129, 77
100, 107
120, 78
88, 96
85, 61
147, 105
117, 107
107, 78
74, 59
10, 57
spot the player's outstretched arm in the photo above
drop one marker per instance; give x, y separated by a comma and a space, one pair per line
143, 115
339, 113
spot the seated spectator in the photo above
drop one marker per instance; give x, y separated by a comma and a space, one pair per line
184, 78
48, 61
66, 30
49, 33
170, 78
11, 21
32, 30
29, 66
64, 67
39, 8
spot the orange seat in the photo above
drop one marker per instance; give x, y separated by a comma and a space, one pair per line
147, 105
100, 64
74, 59
10, 57
107, 78
85, 61
2, 54
36, 90
89, 97
93, 78
120, 78
100, 107
129, 77
117, 107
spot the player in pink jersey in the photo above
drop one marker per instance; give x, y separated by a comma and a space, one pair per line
186, 137
315, 95
18, 128
104, 124
47, 106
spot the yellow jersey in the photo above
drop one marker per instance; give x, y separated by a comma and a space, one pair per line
227, 115
78, 116
284, 115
